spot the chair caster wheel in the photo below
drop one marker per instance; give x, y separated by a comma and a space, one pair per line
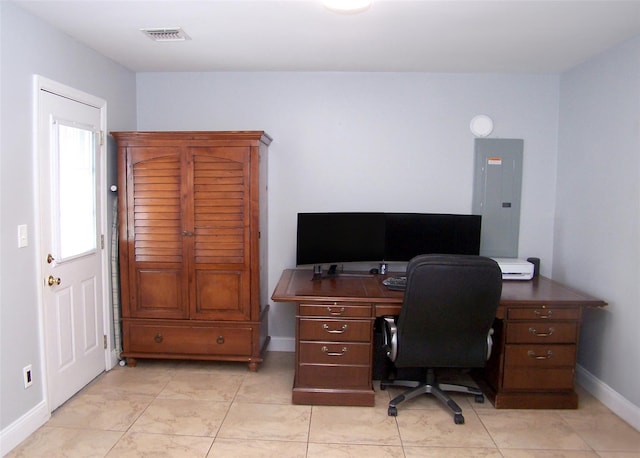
383, 386
458, 419
392, 412
479, 398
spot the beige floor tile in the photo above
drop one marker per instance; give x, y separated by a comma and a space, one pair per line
109, 411
450, 452
182, 417
203, 385
225, 448
531, 429
266, 422
353, 425
270, 387
276, 361
603, 430
436, 428
66, 442
512, 453
353, 451
618, 455
136, 445
221, 409
146, 380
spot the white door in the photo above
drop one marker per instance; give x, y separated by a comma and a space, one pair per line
71, 248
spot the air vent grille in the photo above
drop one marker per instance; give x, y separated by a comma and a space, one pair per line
166, 34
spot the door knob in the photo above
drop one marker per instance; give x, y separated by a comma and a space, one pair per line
53, 280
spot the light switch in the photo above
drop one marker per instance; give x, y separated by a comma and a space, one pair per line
23, 237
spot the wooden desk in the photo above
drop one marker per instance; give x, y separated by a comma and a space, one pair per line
532, 363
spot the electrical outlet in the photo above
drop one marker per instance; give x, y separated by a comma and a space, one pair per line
27, 372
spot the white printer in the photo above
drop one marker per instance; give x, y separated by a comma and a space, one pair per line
515, 269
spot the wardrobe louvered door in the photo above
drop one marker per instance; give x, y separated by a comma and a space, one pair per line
221, 211
158, 276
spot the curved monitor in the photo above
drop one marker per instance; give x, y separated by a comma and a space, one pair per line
332, 238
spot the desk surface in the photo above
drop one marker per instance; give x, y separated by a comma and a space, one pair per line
296, 285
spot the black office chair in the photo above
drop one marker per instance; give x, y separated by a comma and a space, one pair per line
450, 303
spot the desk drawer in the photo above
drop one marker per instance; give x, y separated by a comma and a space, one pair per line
335, 310
534, 379
540, 355
335, 330
542, 332
335, 353
321, 376
543, 313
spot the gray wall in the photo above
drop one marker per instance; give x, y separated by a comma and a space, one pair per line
368, 142
30, 47
597, 228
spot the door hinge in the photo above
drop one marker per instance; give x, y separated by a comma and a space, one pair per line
105, 341
102, 241
100, 137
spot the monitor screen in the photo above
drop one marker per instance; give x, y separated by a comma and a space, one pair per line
340, 237
410, 234
332, 238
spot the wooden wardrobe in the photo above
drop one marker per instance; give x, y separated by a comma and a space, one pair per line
193, 245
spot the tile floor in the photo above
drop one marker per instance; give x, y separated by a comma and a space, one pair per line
191, 409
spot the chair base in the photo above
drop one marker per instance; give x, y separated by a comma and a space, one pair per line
431, 386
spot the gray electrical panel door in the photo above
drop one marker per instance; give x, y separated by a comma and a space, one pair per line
497, 185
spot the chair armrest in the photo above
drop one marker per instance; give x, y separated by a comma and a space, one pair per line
390, 336
489, 343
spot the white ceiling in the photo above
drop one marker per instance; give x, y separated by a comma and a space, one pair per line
514, 36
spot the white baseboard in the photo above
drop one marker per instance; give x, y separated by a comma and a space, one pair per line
23, 427
282, 344
618, 404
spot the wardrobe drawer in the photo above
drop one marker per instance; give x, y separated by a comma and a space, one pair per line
543, 313
540, 355
335, 330
330, 376
542, 332
194, 340
335, 310
335, 353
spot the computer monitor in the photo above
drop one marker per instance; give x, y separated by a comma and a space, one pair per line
330, 238
410, 234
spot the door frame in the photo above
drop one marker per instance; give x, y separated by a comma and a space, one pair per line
41, 83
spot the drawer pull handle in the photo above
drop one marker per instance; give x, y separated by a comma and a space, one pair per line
541, 334
334, 353
325, 326
339, 311
158, 338
220, 340
532, 354
539, 314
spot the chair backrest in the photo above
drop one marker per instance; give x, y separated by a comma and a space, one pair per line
449, 306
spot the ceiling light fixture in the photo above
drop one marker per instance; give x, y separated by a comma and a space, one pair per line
347, 6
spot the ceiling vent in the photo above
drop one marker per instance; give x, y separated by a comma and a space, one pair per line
166, 34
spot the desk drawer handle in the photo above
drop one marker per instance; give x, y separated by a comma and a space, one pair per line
325, 326
158, 338
541, 334
334, 353
532, 354
539, 314
337, 312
